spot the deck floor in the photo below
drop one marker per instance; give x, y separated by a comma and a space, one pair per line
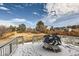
29, 49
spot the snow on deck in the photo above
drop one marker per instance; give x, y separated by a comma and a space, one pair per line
30, 49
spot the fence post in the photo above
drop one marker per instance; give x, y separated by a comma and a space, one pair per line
10, 47
33, 39
22, 40
1, 52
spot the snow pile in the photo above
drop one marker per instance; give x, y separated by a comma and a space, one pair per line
35, 49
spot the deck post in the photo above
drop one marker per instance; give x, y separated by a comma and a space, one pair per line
10, 47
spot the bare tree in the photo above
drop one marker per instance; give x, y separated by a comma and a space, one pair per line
3, 29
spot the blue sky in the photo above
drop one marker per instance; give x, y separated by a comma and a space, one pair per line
31, 13
22, 13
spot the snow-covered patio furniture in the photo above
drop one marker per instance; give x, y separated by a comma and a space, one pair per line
52, 43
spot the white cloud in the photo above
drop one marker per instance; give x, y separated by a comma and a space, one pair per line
15, 22
44, 10
35, 13
6, 23
60, 9
9, 12
4, 8
48, 20
52, 20
18, 20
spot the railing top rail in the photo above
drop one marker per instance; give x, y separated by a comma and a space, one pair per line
2, 45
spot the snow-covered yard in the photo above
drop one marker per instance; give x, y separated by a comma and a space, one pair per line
35, 49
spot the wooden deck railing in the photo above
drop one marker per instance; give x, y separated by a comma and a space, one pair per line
8, 48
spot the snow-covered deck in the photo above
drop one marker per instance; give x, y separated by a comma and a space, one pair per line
30, 49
